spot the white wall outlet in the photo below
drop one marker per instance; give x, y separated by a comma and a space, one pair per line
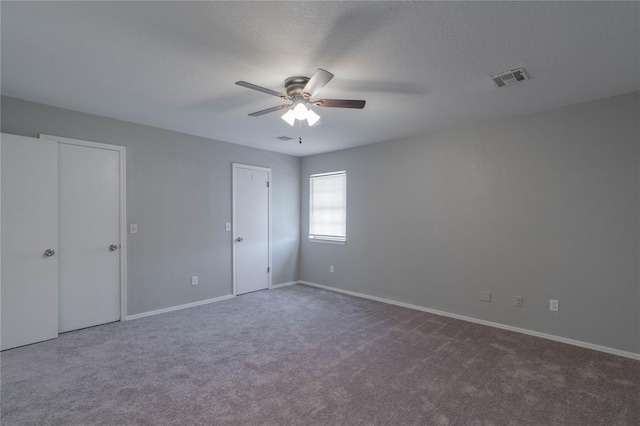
194, 280
227, 226
485, 296
553, 305
517, 301
133, 228
331, 269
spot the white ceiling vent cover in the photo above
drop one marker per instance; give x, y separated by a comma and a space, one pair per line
509, 78
284, 138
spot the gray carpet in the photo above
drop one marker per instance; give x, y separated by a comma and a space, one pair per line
300, 355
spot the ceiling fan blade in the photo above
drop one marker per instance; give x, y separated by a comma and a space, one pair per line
262, 89
339, 103
268, 110
317, 81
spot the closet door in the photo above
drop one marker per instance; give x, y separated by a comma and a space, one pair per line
89, 236
29, 293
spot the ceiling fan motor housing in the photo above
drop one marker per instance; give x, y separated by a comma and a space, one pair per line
294, 86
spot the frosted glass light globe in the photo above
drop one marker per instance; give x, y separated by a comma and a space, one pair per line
312, 117
289, 117
300, 111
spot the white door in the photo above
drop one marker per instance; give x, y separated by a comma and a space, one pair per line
251, 228
89, 198
29, 202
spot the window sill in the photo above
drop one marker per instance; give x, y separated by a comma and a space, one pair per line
319, 240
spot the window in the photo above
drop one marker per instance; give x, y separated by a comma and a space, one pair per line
328, 207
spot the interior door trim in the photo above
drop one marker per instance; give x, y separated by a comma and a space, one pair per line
123, 208
234, 167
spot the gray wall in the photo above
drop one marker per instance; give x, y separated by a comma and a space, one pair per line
545, 206
179, 194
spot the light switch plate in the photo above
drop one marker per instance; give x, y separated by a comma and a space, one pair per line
133, 228
227, 226
485, 296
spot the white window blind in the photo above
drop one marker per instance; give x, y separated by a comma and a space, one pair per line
328, 206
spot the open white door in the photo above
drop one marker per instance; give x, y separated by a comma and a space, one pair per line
90, 244
29, 290
251, 230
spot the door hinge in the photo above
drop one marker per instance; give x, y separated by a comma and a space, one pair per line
268, 268
267, 184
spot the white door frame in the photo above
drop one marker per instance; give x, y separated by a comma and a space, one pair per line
123, 208
234, 167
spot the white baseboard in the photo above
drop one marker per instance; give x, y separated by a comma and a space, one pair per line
573, 342
198, 303
176, 308
274, 286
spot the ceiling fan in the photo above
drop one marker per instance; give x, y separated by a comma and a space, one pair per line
300, 91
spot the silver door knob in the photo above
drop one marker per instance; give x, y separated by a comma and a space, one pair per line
49, 252
113, 247
240, 239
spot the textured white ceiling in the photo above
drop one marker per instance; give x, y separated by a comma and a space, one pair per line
420, 66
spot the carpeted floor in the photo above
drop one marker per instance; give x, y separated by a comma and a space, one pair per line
305, 356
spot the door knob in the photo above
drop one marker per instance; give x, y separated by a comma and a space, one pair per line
240, 239
49, 252
113, 247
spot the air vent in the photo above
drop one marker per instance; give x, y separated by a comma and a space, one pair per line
284, 138
509, 78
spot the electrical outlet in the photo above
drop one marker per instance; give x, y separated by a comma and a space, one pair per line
517, 301
553, 305
331, 269
485, 296
194, 280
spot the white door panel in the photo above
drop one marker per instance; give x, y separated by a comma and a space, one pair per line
29, 290
89, 198
251, 226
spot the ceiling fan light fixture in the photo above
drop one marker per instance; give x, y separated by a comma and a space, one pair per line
299, 111
289, 117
